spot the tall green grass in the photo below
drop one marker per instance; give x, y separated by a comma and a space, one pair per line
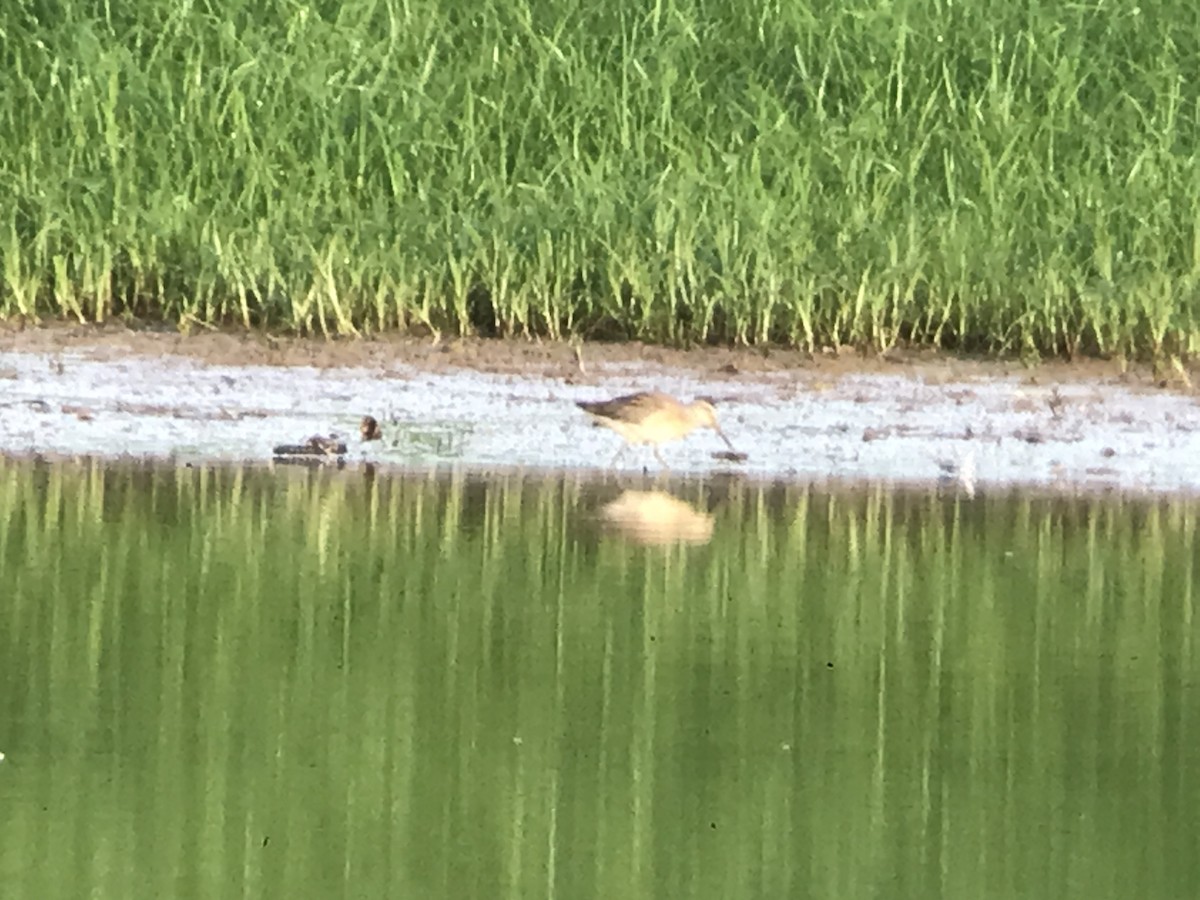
1015, 177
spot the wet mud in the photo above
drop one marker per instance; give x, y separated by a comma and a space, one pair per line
117, 392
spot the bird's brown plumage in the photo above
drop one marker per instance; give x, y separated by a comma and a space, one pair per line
652, 417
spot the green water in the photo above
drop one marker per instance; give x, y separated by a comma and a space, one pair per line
245, 683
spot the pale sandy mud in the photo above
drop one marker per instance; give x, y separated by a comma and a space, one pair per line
116, 393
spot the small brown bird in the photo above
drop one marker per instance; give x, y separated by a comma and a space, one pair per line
651, 418
369, 429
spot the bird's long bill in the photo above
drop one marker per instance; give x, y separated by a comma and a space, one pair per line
725, 438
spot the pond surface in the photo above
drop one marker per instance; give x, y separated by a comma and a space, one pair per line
231, 681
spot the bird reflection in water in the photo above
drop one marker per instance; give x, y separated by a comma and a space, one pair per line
655, 518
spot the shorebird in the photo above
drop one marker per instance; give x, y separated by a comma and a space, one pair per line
651, 418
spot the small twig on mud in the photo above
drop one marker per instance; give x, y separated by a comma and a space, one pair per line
38, 405
1056, 401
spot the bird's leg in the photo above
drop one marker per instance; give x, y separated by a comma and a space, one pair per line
620, 450
661, 461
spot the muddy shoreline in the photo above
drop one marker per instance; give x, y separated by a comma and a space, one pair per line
549, 358
488, 405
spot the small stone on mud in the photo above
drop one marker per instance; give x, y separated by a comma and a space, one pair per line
731, 456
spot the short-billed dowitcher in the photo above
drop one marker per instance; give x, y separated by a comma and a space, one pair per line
650, 417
